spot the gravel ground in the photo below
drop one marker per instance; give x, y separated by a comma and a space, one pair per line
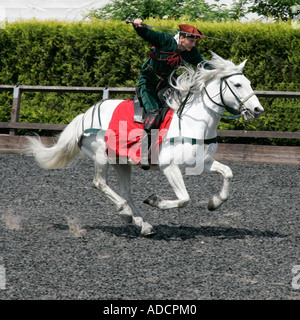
60, 238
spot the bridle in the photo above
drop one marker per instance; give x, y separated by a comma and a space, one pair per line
235, 113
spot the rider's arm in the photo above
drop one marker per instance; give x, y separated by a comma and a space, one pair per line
157, 39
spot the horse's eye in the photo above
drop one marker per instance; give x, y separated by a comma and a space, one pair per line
238, 85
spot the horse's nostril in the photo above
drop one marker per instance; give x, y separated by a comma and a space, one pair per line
258, 109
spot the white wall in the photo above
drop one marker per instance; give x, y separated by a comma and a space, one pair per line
69, 10
12, 10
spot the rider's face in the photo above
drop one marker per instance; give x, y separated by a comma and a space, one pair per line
186, 43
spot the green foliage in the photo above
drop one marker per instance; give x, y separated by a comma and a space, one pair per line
238, 9
110, 53
277, 9
162, 9
195, 9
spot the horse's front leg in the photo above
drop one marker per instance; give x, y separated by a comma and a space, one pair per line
176, 181
214, 166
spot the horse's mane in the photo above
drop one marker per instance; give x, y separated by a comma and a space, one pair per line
194, 80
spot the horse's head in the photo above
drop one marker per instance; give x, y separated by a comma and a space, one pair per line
224, 83
234, 89
238, 94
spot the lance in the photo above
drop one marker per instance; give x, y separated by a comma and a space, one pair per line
173, 30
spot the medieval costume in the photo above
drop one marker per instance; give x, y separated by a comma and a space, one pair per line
164, 58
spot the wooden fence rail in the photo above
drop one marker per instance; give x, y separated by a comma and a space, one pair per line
232, 152
14, 124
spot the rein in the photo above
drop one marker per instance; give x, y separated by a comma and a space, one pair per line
179, 112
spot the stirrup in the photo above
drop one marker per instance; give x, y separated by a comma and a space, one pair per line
145, 166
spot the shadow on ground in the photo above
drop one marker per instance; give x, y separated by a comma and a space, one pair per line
171, 233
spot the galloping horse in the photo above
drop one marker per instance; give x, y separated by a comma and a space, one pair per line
198, 99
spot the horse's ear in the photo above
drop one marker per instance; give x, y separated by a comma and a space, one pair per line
242, 65
215, 56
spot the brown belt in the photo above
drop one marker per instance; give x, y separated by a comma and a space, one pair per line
159, 75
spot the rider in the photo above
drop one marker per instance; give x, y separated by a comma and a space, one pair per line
168, 54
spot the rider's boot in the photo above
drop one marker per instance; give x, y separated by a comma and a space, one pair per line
151, 121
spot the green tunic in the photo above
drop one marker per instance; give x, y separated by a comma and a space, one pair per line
156, 70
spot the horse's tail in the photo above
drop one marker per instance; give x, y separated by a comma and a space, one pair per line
61, 153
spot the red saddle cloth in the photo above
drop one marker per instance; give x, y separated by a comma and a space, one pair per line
124, 136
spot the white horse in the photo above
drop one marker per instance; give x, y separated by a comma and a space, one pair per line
190, 145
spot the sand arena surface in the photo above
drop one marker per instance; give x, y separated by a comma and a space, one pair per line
60, 238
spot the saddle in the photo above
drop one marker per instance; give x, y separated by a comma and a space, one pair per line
149, 121
139, 110
125, 138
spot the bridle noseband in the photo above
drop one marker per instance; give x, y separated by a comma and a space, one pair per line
235, 113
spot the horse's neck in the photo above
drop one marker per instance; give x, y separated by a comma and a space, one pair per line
197, 121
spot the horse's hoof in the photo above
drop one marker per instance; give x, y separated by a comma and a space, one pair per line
153, 200
147, 229
151, 233
211, 206
214, 203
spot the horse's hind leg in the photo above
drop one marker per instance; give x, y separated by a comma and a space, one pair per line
100, 182
214, 166
124, 175
95, 149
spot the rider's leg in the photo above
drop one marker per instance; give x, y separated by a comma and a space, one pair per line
151, 121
